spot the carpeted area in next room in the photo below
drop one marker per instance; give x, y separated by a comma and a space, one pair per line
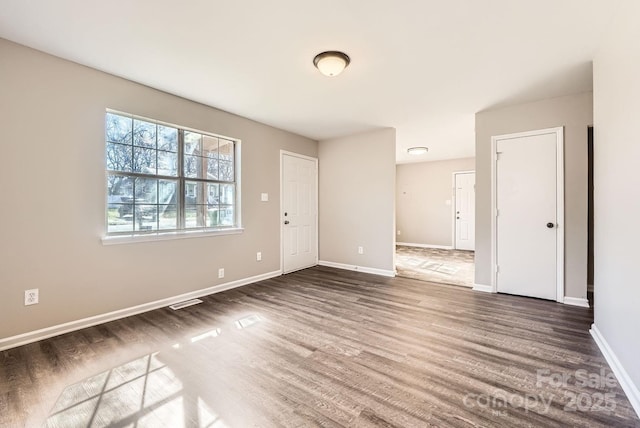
436, 265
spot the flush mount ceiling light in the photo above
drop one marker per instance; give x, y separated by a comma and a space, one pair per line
331, 63
417, 150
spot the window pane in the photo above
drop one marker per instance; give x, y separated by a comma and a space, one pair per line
212, 168
225, 171
119, 189
167, 192
146, 191
213, 194
226, 216
119, 157
213, 217
146, 217
194, 193
144, 134
209, 147
168, 218
144, 160
194, 216
120, 218
190, 192
227, 194
192, 143
167, 163
192, 166
167, 138
119, 204
118, 128
226, 150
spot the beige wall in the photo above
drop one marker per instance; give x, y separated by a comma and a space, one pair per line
52, 187
357, 198
575, 113
616, 183
422, 191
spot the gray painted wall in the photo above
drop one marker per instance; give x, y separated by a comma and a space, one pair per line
422, 189
52, 184
616, 183
575, 113
357, 198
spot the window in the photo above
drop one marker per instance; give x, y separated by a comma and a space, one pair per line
163, 178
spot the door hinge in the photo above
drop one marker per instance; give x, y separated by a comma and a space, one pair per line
497, 268
498, 155
497, 212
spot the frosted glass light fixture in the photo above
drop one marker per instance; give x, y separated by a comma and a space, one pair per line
417, 150
331, 63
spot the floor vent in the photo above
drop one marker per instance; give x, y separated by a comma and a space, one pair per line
185, 304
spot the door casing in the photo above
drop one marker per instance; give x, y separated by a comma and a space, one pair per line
559, 132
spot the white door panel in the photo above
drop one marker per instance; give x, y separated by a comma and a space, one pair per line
299, 216
526, 185
465, 210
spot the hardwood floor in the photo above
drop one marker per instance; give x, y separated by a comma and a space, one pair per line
323, 347
455, 267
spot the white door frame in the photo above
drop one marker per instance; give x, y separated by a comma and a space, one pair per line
453, 204
559, 132
280, 215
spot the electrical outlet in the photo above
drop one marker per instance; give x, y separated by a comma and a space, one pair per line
399, 232
360, 250
259, 256
31, 297
221, 273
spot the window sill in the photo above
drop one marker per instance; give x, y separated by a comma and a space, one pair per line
167, 236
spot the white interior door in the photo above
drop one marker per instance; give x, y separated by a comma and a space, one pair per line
465, 210
299, 212
528, 214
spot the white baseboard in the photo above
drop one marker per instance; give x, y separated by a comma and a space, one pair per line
576, 301
439, 247
375, 271
483, 288
632, 391
34, 336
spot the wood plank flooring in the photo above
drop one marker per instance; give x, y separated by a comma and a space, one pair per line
323, 347
436, 265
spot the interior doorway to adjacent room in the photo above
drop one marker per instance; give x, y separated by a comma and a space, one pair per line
436, 222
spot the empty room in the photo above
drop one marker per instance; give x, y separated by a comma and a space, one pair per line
338, 214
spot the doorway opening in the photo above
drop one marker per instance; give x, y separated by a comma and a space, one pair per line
436, 213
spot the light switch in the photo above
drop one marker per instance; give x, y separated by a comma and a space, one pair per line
264, 197
447, 202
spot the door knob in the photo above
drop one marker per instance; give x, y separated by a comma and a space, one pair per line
550, 225
286, 222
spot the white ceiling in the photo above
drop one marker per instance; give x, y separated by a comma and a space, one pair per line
424, 67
